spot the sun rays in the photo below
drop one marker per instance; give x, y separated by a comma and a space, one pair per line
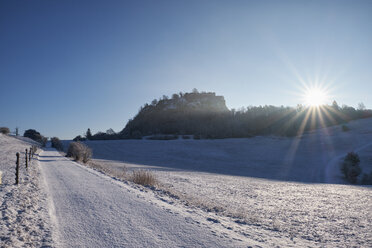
315, 97
315, 111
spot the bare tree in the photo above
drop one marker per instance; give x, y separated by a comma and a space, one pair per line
361, 106
110, 131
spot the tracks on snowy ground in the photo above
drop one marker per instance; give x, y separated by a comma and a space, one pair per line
96, 211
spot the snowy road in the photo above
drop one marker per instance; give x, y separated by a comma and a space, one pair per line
91, 210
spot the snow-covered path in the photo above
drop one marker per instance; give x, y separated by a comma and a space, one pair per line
91, 210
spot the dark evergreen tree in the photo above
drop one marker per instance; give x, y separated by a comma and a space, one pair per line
88, 134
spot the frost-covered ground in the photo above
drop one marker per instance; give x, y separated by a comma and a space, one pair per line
89, 209
285, 191
23, 212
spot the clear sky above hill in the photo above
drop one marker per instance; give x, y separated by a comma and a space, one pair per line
69, 65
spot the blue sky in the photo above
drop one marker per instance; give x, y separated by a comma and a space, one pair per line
69, 65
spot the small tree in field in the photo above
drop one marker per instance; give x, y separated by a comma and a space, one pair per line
88, 134
361, 106
350, 167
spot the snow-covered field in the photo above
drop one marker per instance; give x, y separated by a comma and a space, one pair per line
24, 216
285, 191
89, 209
259, 192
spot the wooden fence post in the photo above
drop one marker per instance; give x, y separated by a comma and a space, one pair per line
29, 155
17, 169
33, 150
26, 160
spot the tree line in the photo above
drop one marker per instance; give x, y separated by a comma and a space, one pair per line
199, 118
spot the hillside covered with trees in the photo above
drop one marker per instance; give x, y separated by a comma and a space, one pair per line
205, 115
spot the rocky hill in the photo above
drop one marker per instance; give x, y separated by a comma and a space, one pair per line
181, 114
205, 115
207, 102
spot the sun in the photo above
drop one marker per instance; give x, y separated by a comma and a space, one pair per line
315, 97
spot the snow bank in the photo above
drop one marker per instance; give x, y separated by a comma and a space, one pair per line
24, 217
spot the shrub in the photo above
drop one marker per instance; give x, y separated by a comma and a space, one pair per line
367, 179
143, 177
56, 143
79, 152
36, 136
345, 128
79, 138
350, 167
34, 149
4, 130
44, 140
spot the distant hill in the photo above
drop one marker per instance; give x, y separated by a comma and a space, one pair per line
205, 115
184, 113
190, 102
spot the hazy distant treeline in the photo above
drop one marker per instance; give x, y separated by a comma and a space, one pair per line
205, 115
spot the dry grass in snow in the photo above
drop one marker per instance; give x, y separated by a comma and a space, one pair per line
143, 177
